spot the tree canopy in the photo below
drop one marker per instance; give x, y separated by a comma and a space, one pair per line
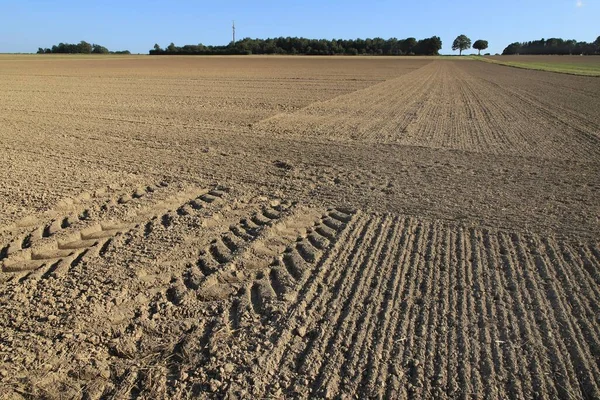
97, 49
553, 46
480, 45
82, 47
462, 42
295, 45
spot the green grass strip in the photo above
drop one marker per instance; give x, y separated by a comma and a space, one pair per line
562, 68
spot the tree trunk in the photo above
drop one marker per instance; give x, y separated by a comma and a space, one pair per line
478, 52
460, 52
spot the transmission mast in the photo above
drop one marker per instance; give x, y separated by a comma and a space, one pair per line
233, 28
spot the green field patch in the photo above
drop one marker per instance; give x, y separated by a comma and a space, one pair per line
563, 68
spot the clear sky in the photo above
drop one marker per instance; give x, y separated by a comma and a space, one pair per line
136, 25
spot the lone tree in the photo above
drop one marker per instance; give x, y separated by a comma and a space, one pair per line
480, 45
461, 43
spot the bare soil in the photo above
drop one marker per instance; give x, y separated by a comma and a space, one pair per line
293, 227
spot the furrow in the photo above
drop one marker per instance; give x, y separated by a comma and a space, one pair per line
508, 325
487, 337
576, 288
337, 316
464, 303
571, 332
353, 346
442, 350
317, 289
374, 378
518, 276
429, 327
397, 386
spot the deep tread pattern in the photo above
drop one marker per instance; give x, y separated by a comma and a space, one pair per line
61, 223
224, 249
48, 246
290, 269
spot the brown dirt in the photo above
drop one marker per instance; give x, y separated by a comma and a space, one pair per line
272, 227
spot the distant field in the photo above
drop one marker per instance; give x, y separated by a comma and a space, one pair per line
24, 57
575, 65
297, 227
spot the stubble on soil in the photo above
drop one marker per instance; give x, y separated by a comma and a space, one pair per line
297, 227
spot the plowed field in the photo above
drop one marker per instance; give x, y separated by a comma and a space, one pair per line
297, 227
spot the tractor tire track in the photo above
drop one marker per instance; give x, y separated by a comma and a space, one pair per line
46, 254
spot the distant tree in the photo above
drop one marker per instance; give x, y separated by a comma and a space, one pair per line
435, 44
511, 49
462, 42
84, 48
296, 45
428, 47
41, 51
570, 46
480, 45
97, 49
408, 45
597, 44
552, 46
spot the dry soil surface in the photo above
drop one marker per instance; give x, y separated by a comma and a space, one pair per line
292, 227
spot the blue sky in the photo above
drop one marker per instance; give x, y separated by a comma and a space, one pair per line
136, 25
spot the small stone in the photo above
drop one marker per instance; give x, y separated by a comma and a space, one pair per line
229, 368
301, 331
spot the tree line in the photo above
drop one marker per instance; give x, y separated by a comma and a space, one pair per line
553, 46
82, 47
295, 45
